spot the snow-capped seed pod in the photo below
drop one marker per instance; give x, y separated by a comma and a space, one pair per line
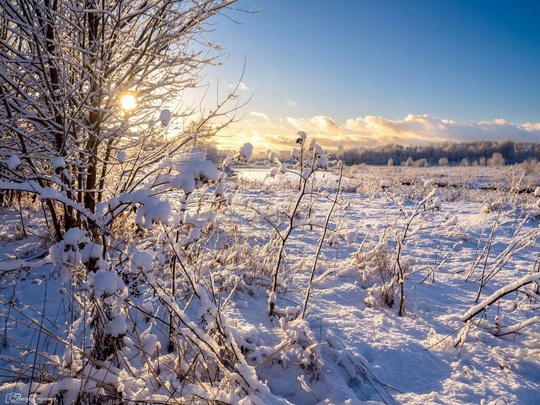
13, 163
246, 151
220, 189
273, 172
58, 164
452, 220
301, 137
385, 183
121, 156
165, 117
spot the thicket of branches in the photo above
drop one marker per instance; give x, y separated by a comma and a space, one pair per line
64, 69
126, 257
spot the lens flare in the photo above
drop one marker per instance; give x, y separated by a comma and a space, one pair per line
128, 102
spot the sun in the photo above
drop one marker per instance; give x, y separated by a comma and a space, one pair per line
128, 102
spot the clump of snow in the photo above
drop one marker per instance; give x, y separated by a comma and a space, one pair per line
13, 162
246, 152
121, 156
91, 255
153, 211
350, 236
436, 197
451, 220
273, 172
301, 137
117, 326
66, 254
194, 170
220, 190
165, 117
426, 181
385, 183
322, 158
142, 261
74, 236
58, 163
107, 282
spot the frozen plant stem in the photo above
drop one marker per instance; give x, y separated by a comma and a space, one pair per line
290, 227
488, 250
401, 271
321, 242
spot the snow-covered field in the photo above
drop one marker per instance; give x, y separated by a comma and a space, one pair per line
391, 231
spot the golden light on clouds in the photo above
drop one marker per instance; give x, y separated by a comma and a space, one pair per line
279, 134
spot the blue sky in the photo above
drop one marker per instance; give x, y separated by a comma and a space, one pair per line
370, 72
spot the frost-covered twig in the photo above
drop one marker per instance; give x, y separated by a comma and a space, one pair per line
507, 289
321, 241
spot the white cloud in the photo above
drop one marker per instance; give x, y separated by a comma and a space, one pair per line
280, 134
318, 125
291, 103
415, 129
256, 114
240, 86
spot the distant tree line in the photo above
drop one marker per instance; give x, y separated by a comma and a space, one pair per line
448, 153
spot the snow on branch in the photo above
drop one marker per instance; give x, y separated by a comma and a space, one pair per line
507, 330
47, 193
497, 295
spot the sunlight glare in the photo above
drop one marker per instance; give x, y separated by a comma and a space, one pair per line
128, 102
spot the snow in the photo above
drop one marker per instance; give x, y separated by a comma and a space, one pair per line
246, 151
58, 163
117, 327
165, 117
385, 183
13, 162
107, 283
143, 261
351, 347
153, 211
121, 156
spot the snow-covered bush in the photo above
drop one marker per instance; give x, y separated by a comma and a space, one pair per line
130, 206
142, 305
76, 144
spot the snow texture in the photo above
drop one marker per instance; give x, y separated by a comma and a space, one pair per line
351, 348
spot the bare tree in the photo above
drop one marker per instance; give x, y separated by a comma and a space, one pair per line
66, 67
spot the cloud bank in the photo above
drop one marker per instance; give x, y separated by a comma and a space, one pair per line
279, 134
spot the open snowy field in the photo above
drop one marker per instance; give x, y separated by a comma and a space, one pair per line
393, 286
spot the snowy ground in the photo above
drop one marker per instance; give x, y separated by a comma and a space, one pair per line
351, 348
414, 359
